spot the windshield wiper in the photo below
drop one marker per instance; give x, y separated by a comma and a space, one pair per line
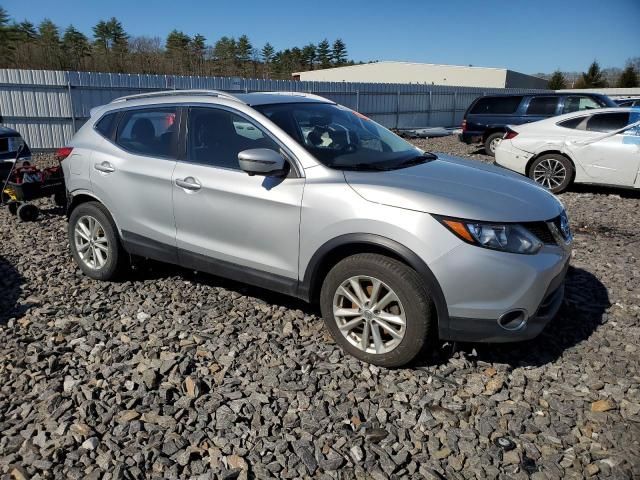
360, 167
424, 158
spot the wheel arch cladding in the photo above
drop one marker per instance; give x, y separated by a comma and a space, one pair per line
339, 248
79, 199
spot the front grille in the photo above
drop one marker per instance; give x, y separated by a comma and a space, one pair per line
541, 230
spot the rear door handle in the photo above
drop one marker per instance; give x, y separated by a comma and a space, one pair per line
104, 167
188, 183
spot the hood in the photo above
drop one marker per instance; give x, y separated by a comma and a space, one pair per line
8, 132
454, 187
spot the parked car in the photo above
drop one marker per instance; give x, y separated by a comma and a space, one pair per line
486, 119
627, 102
10, 142
599, 147
294, 193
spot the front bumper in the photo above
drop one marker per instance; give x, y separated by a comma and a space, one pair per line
489, 330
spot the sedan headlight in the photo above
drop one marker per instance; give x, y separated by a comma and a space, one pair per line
507, 237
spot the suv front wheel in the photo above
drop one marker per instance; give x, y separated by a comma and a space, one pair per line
377, 309
94, 242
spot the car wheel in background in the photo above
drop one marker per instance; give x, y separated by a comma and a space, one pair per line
377, 309
94, 242
27, 212
492, 142
553, 171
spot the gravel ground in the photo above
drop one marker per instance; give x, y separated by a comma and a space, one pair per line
173, 374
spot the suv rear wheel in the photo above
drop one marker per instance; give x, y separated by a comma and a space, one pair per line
377, 309
94, 242
492, 142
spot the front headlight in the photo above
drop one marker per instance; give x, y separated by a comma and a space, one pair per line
507, 237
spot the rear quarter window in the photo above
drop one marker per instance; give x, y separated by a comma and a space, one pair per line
496, 105
105, 125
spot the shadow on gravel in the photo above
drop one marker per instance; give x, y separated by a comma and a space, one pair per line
603, 190
152, 270
586, 300
10, 289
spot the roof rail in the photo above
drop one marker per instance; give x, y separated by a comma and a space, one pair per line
300, 94
166, 93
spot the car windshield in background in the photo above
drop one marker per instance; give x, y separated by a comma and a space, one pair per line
341, 138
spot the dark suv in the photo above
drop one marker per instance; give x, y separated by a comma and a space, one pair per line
486, 119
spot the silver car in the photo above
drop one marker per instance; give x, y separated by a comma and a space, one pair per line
300, 195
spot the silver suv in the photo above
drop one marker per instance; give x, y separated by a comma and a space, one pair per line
300, 195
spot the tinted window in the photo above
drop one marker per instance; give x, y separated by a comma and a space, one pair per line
576, 103
572, 122
496, 105
215, 137
149, 131
542, 106
105, 124
608, 122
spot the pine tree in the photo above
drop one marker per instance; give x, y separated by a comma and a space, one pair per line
309, 55
197, 50
628, 78
225, 52
267, 54
339, 53
244, 50
7, 44
49, 41
593, 77
323, 53
557, 81
76, 48
25, 31
177, 51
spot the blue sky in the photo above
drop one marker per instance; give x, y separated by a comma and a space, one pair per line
527, 36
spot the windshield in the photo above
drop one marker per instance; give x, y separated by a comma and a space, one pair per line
341, 138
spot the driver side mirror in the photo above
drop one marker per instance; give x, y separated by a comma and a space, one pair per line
261, 161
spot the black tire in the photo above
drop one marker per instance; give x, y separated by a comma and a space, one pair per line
409, 288
13, 208
489, 143
60, 199
27, 212
553, 159
117, 259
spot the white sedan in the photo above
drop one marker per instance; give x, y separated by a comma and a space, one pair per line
595, 146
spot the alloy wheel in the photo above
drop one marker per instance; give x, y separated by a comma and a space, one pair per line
494, 144
550, 173
91, 242
369, 314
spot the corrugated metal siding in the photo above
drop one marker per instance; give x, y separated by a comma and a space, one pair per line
48, 106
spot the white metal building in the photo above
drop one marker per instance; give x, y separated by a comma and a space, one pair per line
425, 73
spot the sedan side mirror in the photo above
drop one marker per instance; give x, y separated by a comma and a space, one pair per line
261, 161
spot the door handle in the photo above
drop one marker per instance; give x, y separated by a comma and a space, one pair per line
104, 167
188, 183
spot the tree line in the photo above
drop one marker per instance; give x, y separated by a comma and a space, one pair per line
111, 49
596, 77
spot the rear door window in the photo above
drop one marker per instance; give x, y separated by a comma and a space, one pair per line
608, 122
496, 105
542, 106
149, 131
575, 103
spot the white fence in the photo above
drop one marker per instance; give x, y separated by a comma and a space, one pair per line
47, 107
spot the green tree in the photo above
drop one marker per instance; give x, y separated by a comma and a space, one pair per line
592, 78
177, 51
309, 55
339, 53
244, 50
628, 78
198, 50
557, 81
225, 52
49, 41
267, 54
7, 43
25, 31
323, 53
76, 48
